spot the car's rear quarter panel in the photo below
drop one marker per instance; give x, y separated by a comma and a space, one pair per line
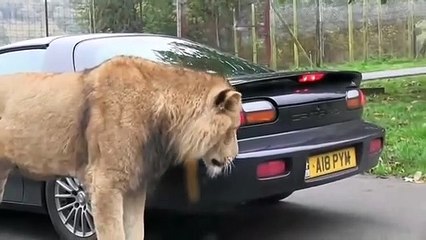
23, 193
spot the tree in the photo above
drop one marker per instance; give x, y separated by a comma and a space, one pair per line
207, 17
126, 16
109, 15
205, 20
158, 16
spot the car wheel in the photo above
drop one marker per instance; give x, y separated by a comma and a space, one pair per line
69, 209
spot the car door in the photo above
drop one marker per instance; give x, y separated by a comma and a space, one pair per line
14, 60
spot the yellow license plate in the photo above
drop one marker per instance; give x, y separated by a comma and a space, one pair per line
331, 162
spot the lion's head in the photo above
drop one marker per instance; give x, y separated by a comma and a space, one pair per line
213, 134
225, 142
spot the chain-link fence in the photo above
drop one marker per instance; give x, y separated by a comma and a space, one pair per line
286, 35
364, 30
26, 19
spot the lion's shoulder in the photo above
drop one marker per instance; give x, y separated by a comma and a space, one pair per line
139, 70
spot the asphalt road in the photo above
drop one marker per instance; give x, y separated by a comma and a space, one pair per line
358, 208
407, 72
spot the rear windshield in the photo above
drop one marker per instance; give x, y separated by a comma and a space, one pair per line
163, 49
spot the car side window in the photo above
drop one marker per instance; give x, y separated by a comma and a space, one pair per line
30, 60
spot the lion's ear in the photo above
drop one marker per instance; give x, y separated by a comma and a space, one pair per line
228, 99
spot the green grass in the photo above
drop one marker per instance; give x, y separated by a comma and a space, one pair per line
402, 112
376, 65
379, 65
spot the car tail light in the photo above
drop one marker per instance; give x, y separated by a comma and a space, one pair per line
376, 145
271, 169
242, 119
355, 98
311, 77
257, 112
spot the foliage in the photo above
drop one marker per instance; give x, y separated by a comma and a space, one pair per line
378, 64
110, 15
154, 16
158, 16
402, 112
211, 22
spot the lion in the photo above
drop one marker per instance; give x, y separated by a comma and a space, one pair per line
117, 127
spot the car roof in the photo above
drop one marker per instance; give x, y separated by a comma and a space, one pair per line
30, 42
45, 41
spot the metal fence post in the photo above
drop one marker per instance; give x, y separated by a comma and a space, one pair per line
46, 16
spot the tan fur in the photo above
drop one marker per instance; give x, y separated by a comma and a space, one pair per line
116, 127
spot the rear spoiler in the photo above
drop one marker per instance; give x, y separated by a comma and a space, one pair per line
299, 77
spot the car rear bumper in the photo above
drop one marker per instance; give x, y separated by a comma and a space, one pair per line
243, 185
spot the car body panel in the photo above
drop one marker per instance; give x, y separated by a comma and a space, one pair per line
14, 188
36, 42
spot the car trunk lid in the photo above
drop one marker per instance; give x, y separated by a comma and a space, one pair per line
301, 99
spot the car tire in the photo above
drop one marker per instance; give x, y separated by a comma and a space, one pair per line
272, 199
68, 207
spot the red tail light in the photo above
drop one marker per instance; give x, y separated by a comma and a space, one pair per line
355, 98
257, 112
311, 77
242, 119
271, 169
376, 146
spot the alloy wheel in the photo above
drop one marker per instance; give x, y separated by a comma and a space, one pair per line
73, 206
